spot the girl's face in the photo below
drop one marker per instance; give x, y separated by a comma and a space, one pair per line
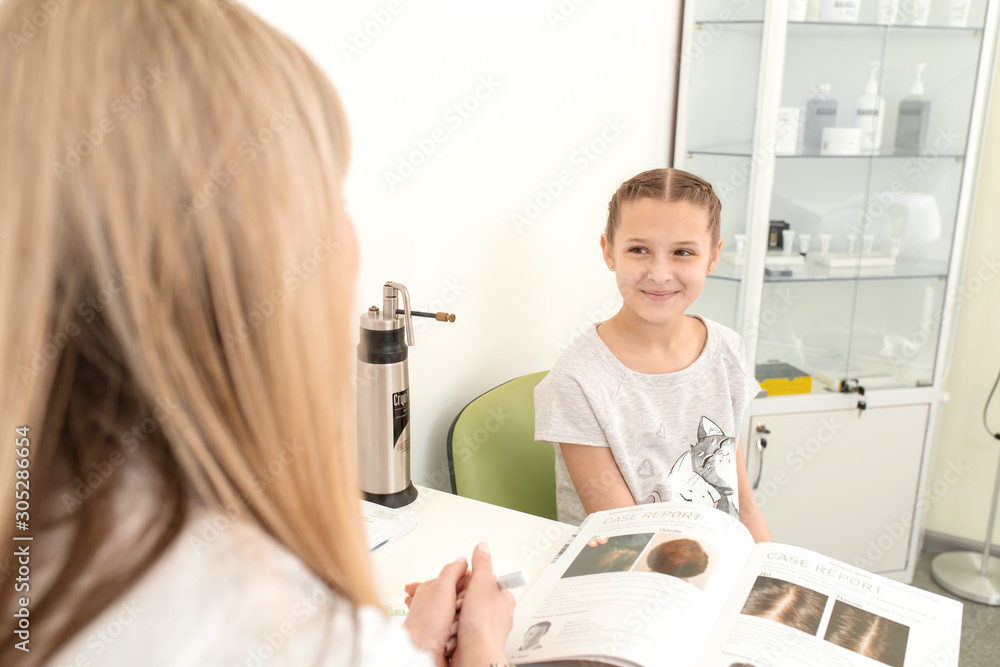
661, 255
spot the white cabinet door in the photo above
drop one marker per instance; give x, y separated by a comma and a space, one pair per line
841, 484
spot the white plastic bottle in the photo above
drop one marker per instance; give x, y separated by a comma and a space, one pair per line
888, 11
958, 13
918, 10
870, 115
821, 112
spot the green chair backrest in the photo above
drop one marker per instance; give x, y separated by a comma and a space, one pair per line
493, 455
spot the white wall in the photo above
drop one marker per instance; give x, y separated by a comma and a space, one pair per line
561, 75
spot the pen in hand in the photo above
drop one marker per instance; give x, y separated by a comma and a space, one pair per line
512, 580
505, 582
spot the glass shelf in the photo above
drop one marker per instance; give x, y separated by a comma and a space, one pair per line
903, 270
730, 150
726, 272
889, 26
844, 25
736, 150
812, 271
880, 156
874, 373
698, 24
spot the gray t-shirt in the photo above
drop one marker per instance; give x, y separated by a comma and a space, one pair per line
673, 435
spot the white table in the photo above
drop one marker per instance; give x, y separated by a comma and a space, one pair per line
449, 527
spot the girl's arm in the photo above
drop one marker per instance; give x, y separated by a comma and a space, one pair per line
597, 479
750, 514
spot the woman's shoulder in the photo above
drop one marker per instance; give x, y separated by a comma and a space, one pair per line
225, 592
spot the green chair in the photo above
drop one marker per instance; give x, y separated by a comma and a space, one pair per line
492, 453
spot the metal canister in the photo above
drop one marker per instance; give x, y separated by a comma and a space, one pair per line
383, 402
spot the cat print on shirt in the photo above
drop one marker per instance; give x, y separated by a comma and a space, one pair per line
705, 475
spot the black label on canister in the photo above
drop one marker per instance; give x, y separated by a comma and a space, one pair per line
401, 420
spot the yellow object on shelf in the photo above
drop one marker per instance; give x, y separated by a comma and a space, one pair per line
780, 378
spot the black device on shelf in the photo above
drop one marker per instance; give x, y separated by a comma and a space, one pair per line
774, 236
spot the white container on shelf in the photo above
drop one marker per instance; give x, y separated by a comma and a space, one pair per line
870, 115
804, 243
741, 244
787, 138
839, 11
821, 113
824, 243
958, 13
915, 12
888, 11
797, 10
841, 141
787, 241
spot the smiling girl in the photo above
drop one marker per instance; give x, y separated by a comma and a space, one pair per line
647, 406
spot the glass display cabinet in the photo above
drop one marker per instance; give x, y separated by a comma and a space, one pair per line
844, 141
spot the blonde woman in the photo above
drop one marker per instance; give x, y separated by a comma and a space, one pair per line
176, 281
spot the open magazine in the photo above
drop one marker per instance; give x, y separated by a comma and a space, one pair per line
676, 584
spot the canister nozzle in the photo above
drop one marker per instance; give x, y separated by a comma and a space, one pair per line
389, 307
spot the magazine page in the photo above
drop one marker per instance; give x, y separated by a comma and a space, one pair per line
796, 607
633, 586
384, 524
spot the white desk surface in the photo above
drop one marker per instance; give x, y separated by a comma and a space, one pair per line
449, 527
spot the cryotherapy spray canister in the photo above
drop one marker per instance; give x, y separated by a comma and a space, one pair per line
383, 398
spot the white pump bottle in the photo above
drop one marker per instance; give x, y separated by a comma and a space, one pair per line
871, 115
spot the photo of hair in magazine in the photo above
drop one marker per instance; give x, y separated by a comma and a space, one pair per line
611, 554
678, 556
786, 603
869, 634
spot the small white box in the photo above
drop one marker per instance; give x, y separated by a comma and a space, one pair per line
841, 141
787, 137
843, 260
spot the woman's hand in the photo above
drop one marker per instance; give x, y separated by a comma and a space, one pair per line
486, 617
432, 610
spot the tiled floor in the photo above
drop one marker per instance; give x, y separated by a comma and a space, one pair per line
980, 623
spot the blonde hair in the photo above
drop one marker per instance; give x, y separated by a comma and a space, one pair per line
176, 275
671, 185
